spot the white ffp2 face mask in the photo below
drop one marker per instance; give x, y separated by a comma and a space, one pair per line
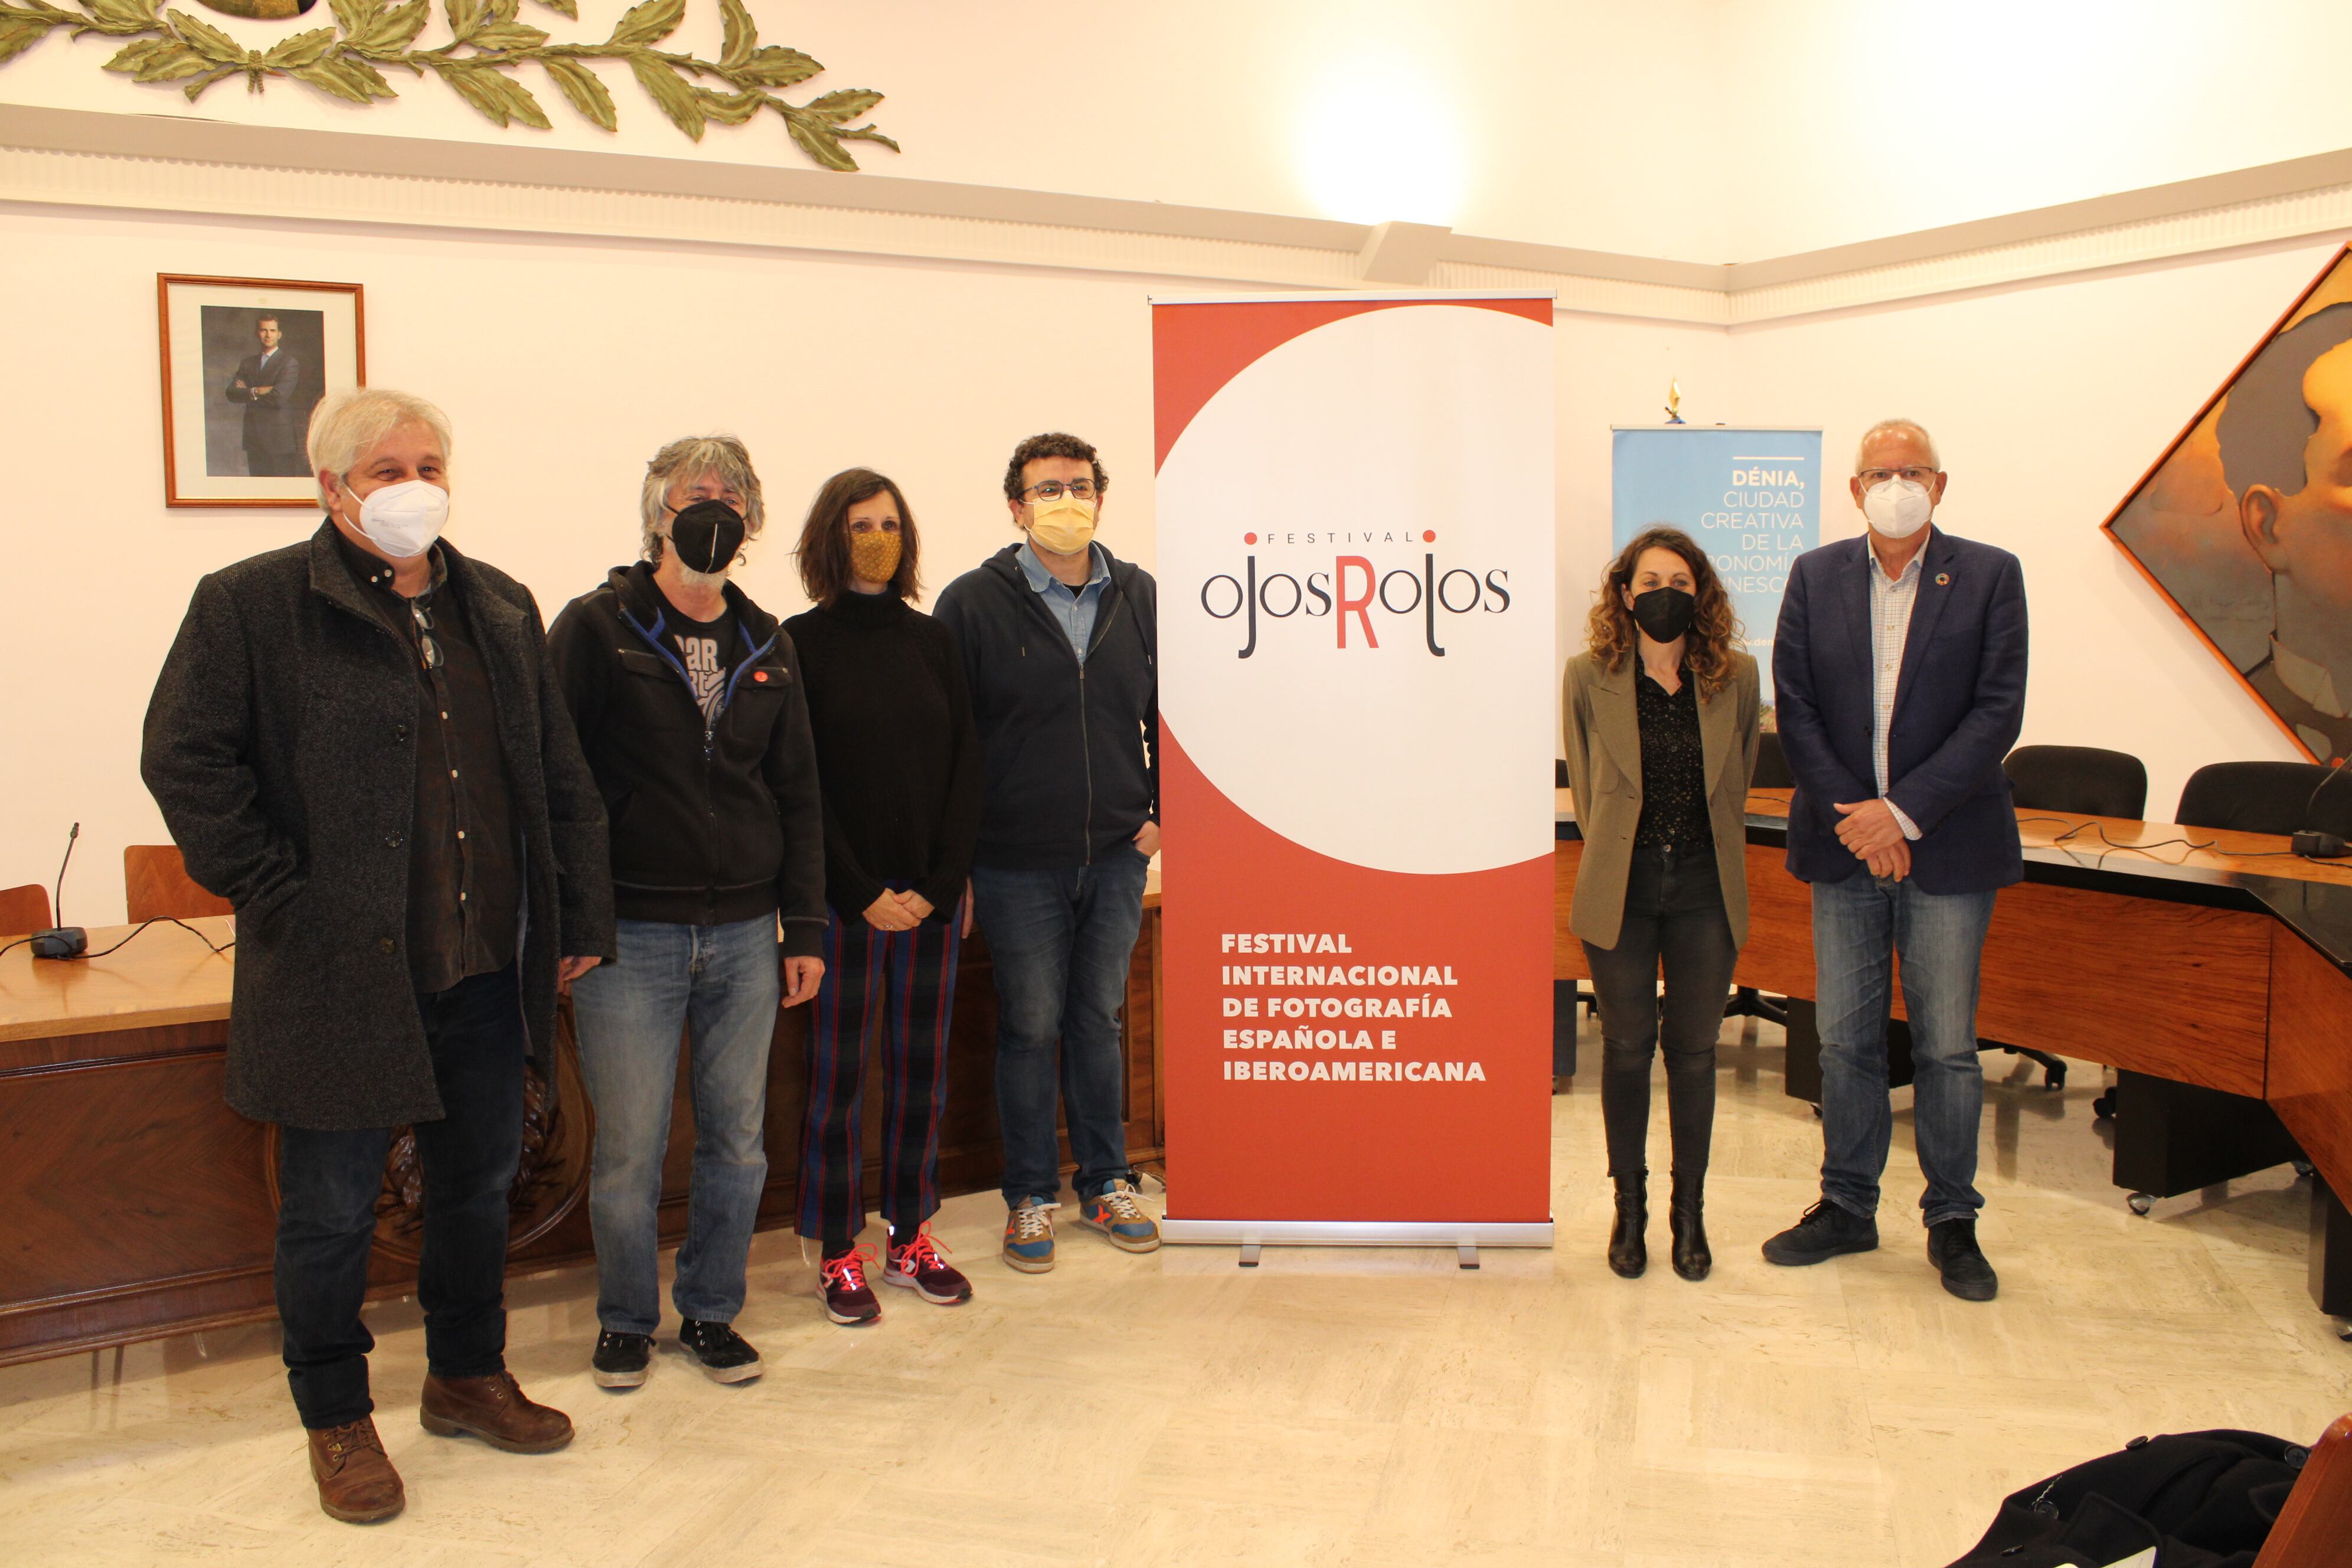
404, 519
1897, 508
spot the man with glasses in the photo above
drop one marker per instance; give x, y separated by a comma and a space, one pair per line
1900, 668
1060, 641
358, 742
687, 699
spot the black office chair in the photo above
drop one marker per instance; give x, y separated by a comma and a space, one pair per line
2081, 781
2265, 797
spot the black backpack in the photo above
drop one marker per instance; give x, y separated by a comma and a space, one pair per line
2203, 1500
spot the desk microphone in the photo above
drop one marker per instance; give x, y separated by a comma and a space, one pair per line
62, 941
2310, 843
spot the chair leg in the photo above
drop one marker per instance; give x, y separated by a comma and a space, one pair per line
1747, 1001
2054, 1069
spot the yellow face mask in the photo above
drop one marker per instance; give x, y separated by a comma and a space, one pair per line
873, 556
1065, 525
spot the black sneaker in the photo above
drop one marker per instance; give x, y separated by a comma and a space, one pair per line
621, 1360
723, 1354
1827, 1231
1952, 1248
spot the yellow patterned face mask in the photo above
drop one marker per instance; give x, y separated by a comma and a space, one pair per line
873, 556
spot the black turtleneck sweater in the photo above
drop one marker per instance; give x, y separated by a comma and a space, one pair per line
896, 750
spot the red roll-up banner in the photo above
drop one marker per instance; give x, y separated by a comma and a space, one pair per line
1355, 504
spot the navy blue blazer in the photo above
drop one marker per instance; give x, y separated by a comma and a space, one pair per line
1959, 701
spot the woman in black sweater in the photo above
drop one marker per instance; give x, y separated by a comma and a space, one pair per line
900, 763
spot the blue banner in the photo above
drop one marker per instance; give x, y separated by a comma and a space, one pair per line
1750, 498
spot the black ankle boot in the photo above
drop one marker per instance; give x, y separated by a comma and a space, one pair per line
1684, 1219
1629, 1252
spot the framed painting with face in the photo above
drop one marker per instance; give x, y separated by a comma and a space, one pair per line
2244, 525
244, 361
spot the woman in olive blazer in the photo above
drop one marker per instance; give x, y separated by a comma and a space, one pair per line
1661, 721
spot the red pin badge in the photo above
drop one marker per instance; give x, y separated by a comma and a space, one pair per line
758, 674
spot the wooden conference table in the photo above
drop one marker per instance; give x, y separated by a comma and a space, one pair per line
134, 1204
2228, 968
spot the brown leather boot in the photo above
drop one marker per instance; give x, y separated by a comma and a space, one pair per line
493, 1409
356, 1483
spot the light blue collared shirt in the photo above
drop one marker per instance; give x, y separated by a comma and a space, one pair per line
1073, 609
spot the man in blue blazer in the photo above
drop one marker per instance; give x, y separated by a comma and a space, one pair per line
1900, 671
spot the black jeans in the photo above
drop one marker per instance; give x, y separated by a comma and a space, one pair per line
328, 1183
1674, 916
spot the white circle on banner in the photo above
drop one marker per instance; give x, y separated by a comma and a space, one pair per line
1349, 444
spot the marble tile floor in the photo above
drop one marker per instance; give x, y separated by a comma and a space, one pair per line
1331, 1406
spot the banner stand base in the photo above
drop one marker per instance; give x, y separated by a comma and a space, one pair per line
1251, 1235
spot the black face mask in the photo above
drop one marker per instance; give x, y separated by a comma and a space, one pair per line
706, 535
1665, 613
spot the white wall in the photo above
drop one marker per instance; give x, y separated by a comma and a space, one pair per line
2048, 402
1577, 122
1848, 120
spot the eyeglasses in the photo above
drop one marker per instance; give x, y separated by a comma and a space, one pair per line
1872, 477
427, 650
1051, 489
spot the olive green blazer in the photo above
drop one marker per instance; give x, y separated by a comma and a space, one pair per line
1604, 770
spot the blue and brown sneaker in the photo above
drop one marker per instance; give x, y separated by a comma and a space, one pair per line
1115, 1211
1029, 1236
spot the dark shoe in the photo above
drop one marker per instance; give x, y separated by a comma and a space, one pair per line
356, 1483
918, 1267
1629, 1249
1952, 1248
1685, 1218
494, 1409
849, 1298
724, 1355
621, 1360
1827, 1231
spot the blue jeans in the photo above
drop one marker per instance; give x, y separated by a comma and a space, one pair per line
328, 1185
720, 984
1060, 942
1860, 926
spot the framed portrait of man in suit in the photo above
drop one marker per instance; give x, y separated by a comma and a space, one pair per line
2244, 524
244, 361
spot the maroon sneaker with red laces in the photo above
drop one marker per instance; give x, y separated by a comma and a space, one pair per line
849, 1298
918, 1266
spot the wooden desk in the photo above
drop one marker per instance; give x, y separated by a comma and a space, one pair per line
2222, 963
134, 1204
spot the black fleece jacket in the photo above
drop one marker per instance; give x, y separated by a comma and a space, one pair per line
710, 824
1070, 751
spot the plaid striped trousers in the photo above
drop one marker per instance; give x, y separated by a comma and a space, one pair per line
910, 976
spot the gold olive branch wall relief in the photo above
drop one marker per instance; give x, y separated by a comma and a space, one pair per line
488, 46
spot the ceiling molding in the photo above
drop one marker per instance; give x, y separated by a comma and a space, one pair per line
183, 164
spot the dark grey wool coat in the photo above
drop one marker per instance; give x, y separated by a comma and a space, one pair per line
278, 744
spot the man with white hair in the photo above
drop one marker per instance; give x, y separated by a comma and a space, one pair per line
1899, 665
688, 699
359, 742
